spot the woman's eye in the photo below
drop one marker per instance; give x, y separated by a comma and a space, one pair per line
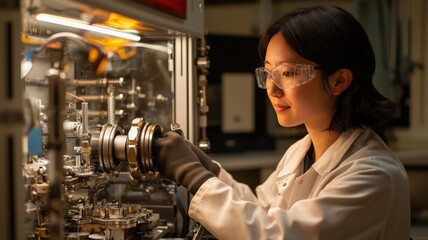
287, 73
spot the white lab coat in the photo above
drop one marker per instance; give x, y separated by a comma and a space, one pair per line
357, 190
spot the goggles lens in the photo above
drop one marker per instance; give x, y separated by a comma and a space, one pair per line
285, 76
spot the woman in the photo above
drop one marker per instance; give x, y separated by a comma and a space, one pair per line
340, 181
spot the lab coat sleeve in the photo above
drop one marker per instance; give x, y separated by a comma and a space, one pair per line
226, 216
347, 206
241, 191
265, 192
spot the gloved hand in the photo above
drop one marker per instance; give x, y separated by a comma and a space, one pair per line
206, 161
177, 162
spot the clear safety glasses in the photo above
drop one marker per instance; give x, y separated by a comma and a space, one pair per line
285, 76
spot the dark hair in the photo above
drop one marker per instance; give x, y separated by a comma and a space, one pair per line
334, 39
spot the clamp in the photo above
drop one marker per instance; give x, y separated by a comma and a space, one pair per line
132, 147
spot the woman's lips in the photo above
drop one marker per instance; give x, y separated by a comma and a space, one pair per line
280, 108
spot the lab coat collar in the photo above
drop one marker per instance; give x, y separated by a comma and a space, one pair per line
334, 154
328, 161
294, 156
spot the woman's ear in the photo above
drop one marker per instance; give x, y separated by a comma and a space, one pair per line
340, 81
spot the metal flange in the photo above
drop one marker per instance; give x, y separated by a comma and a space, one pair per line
106, 155
147, 139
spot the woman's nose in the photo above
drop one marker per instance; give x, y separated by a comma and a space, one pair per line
274, 90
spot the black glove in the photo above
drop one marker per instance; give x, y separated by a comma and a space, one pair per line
177, 162
206, 161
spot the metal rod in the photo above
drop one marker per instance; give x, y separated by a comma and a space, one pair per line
102, 82
55, 146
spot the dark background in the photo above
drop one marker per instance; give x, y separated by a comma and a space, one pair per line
237, 54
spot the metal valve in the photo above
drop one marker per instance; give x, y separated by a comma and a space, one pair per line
175, 127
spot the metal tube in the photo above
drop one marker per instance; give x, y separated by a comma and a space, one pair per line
105, 114
85, 117
100, 98
119, 147
102, 82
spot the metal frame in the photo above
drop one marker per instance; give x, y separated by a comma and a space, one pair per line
193, 24
12, 125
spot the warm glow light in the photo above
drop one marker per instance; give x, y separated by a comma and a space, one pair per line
69, 22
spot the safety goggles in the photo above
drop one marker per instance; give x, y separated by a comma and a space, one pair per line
285, 76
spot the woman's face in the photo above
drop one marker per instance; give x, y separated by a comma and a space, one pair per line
308, 104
